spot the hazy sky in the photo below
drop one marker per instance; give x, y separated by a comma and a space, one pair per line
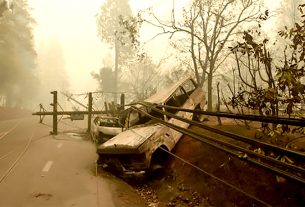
73, 24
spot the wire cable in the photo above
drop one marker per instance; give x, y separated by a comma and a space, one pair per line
240, 138
250, 117
231, 135
211, 175
9, 131
18, 158
213, 142
217, 178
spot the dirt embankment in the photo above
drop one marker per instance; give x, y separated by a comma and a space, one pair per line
184, 185
12, 113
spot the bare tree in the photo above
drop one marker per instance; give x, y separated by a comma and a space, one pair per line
208, 26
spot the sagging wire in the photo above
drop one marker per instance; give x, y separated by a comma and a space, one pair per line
18, 158
216, 178
203, 171
219, 145
31, 140
94, 103
233, 136
250, 117
9, 131
58, 120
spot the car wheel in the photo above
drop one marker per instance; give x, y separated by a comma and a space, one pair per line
158, 162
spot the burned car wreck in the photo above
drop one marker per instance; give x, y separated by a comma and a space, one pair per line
105, 127
140, 145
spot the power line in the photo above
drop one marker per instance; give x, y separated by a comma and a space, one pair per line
209, 174
218, 144
217, 178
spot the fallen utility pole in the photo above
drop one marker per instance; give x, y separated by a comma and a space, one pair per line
67, 112
90, 110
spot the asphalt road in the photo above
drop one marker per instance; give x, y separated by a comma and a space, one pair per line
37, 169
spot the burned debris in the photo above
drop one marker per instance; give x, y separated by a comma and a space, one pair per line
134, 138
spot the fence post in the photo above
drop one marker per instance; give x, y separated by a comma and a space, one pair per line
54, 104
89, 112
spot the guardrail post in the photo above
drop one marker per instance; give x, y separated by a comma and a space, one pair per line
54, 104
89, 112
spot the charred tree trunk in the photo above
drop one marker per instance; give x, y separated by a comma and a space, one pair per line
210, 92
218, 105
116, 71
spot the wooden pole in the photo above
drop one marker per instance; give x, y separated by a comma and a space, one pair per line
48, 113
54, 104
89, 112
122, 101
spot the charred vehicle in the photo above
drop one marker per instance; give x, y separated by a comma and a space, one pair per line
138, 147
105, 127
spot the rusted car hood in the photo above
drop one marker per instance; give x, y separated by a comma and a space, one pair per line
128, 141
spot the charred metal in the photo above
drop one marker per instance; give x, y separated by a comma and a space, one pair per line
130, 143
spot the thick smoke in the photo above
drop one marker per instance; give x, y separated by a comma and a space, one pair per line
18, 80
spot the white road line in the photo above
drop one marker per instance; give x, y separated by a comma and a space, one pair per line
59, 145
47, 166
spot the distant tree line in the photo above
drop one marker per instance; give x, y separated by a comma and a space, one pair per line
133, 70
18, 80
